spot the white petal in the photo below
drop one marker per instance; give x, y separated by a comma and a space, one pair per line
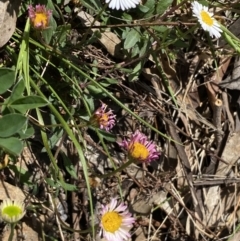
122, 4
113, 203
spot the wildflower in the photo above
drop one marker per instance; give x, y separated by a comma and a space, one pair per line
140, 149
102, 119
116, 221
94, 182
122, 4
39, 16
11, 211
206, 20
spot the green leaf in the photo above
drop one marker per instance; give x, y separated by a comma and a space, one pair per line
107, 135
90, 4
143, 8
29, 102
90, 102
132, 38
162, 6
61, 33
150, 4
10, 124
135, 50
111, 81
11, 145
52, 141
69, 166
94, 89
26, 134
22, 173
48, 32
67, 9
7, 78
160, 29
127, 16
50, 5
68, 187
17, 91
136, 71
125, 33
51, 182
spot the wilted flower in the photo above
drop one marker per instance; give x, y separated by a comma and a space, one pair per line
11, 211
139, 148
102, 119
206, 20
94, 182
122, 4
39, 16
116, 221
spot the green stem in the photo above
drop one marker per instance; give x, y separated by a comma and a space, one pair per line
225, 30
231, 39
11, 235
57, 125
125, 165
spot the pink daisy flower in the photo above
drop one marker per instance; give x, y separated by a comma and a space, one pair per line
140, 149
116, 221
39, 16
102, 119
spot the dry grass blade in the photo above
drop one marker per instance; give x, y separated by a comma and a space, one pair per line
188, 174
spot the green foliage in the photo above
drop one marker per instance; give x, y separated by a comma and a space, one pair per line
107, 136
149, 8
49, 32
7, 78
69, 166
27, 103
11, 145
10, 124
14, 126
162, 6
17, 91
132, 37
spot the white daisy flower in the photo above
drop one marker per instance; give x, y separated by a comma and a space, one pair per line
116, 221
206, 20
122, 4
11, 211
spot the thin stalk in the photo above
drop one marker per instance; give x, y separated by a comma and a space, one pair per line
11, 235
125, 165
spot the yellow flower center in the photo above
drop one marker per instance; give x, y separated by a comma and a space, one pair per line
41, 19
103, 120
138, 151
12, 211
206, 18
111, 221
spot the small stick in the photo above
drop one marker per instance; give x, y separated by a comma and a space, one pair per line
217, 112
